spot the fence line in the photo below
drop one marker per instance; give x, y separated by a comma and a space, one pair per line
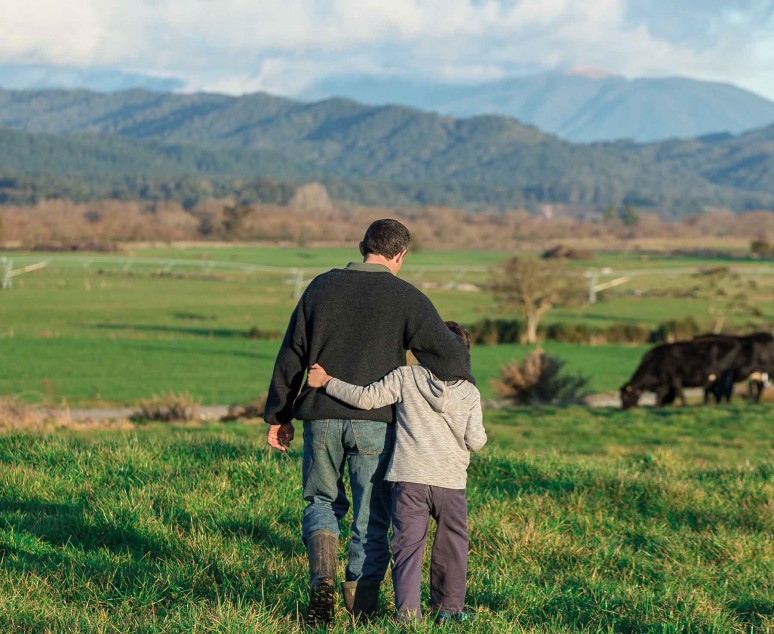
297, 274
170, 263
596, 276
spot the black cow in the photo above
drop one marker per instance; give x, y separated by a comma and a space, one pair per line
754, 362
668, 368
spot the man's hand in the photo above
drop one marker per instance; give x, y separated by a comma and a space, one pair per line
279, 436
317, 376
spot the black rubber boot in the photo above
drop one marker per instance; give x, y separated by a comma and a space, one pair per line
323, 549
361, 598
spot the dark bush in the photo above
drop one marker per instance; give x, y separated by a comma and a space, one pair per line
493, 331
563, 252
761, 248
627, 333
258, 333
253, 409
676, 330
569, 332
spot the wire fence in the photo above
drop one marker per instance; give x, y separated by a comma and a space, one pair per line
454, 276
12, 266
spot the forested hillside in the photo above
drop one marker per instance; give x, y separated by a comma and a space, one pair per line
149, 145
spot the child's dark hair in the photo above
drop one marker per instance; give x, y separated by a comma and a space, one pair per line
460, 331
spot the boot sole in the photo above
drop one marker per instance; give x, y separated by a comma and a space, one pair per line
321, 600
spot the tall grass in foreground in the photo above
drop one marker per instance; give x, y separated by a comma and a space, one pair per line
580, 521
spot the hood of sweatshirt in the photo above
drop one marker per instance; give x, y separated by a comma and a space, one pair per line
443, 396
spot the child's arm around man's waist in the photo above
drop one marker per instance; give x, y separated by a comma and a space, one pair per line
385, 391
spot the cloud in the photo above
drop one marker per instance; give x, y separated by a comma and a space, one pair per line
285, 46
48, 31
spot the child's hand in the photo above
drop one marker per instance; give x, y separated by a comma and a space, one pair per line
317, 376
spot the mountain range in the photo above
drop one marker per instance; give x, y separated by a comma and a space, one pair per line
577, 104
187, 146
580, 105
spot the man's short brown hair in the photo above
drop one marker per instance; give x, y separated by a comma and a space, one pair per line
460, 331
386, 237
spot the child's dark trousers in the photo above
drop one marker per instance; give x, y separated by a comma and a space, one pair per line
412, 506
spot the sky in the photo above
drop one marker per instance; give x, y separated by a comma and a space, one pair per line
287, 46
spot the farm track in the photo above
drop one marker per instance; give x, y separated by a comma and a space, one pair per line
209, 412
215, 412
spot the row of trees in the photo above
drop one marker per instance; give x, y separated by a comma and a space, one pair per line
310, 216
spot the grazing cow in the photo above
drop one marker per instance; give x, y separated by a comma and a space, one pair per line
754, 363
668, 368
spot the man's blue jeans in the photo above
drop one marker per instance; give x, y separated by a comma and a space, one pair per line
366, 447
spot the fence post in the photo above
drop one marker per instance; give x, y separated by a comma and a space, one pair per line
593, 279
298, 283
7, 282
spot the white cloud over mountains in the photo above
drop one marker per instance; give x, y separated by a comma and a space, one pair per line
284, 46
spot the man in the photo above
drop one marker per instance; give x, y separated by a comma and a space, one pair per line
357, 322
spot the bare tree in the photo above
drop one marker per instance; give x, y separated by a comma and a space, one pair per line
533, 287
727, 294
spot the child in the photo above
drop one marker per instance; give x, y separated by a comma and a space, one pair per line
438, 424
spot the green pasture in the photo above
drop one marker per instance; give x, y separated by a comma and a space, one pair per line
322, 257
221, 369
114, 328
581, 520
653, 260
326, 257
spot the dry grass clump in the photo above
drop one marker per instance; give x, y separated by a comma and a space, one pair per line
538, 380
167, 407
17, 415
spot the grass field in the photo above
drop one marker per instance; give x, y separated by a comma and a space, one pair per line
111, 332
221, 370
581, 521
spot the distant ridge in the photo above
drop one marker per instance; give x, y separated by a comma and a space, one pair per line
581, 104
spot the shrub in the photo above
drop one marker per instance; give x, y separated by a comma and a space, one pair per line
167, 407
253, 409
676, 330
563, 252
761, 248
538, 380
258, 333
627, 333
569, 333
493, 331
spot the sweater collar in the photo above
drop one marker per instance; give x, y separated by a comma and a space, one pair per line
368, 267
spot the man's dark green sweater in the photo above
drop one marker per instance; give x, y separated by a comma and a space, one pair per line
358, 323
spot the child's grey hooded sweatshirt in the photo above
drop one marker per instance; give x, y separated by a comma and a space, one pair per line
438, 423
